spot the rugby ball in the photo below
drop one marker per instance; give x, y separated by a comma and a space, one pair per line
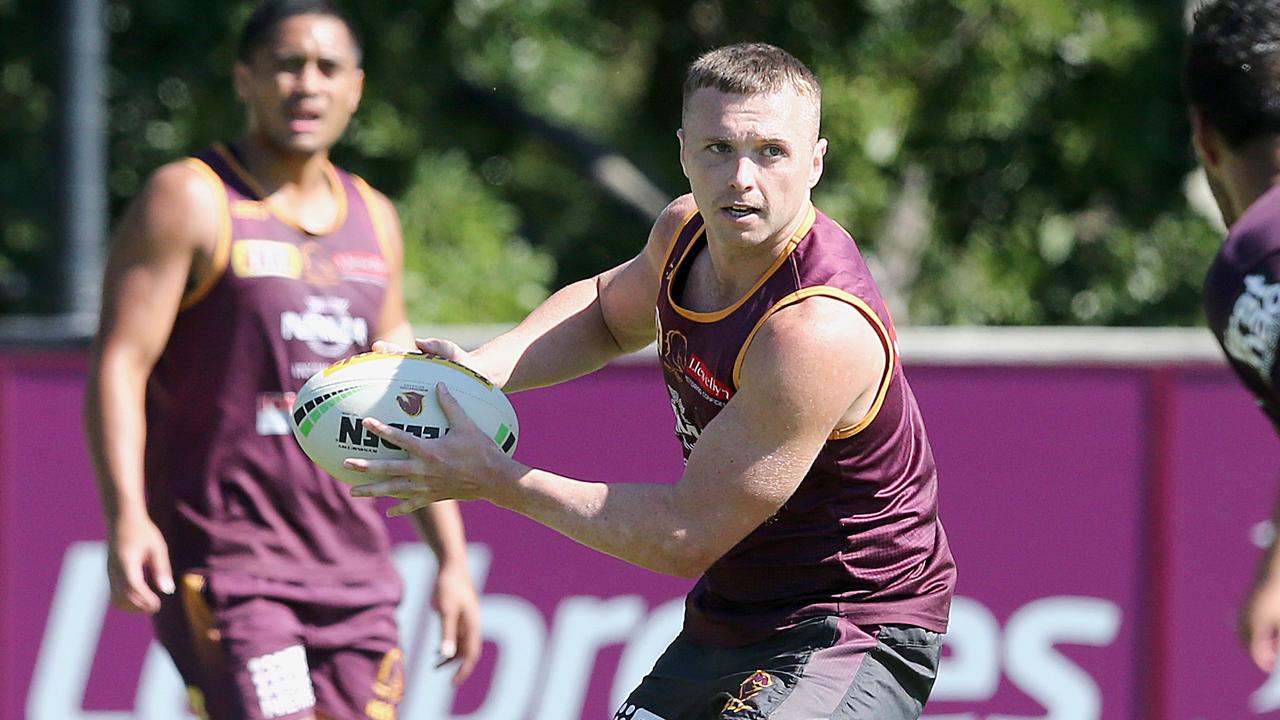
398, 389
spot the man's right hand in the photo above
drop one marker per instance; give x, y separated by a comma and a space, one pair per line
136, 550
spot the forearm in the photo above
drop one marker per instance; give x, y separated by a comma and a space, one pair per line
115, 428
642, 524
1269, 567
440, 527
564, 338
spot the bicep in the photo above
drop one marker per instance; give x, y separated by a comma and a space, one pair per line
150, 262
628, 293
805, 372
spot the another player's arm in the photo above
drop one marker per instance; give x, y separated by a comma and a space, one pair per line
583, 325
440, 523
162, 243
813, 367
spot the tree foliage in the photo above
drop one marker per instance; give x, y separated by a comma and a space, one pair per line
1001, 161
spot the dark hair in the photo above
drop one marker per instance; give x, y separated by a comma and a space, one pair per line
260, 28
750, 68
1231, 71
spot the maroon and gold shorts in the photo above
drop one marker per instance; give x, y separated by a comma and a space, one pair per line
271, 658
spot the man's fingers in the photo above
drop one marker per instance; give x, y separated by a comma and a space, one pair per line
1262, 647
448, 636
136, 593
469, 654
397, 487
406, 507
441, 348
162, 571
388, 468
452, 409
388, 347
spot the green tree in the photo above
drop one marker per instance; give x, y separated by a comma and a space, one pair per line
1000, 161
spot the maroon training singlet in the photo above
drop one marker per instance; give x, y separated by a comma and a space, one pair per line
860, 536
1242, 300
226, 482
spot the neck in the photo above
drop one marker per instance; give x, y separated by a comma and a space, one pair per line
275, 170
1250, 173
737, 265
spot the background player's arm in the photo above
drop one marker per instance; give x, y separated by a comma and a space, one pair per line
814, 366
438, 524
163, 241
583, 325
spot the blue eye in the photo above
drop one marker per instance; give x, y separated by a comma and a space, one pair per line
719, 148
773, 151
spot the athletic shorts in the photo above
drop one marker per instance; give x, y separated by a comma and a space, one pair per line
823, 668
268, 658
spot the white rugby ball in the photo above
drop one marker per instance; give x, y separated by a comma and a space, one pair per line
398, 389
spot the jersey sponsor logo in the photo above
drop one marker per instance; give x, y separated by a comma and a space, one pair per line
265, 258
273, 413
326, 326
361, 267
1254, 327
696, 370
304, 370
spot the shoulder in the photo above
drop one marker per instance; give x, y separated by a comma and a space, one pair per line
817, 327
182, 204
672, 218
188, 182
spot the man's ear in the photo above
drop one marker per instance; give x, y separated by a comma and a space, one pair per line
680, 140
240, 80
1207, 140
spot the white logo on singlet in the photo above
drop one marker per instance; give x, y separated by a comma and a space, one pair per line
631, 712
685, 430
1254, 328
325, 326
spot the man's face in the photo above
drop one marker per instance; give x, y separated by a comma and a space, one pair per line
751, 161
301, 89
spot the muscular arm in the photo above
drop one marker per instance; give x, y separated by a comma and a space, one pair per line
812, 367
586, 324
164, 237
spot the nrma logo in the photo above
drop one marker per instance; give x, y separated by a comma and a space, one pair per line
325, 326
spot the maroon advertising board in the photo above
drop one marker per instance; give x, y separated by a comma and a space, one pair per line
1104, 520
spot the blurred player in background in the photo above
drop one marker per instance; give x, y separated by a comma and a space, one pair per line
1232, 79
808, 505
232, 278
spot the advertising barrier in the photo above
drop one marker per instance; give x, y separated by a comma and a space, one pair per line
1105, 516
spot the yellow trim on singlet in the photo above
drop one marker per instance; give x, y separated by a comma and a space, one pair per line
221, 244
857, 302
671, 244
330, 173
375, 208
708, 317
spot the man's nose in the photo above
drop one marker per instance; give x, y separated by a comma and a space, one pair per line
744, 174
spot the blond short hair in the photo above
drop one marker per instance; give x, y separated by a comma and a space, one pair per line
751, 69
